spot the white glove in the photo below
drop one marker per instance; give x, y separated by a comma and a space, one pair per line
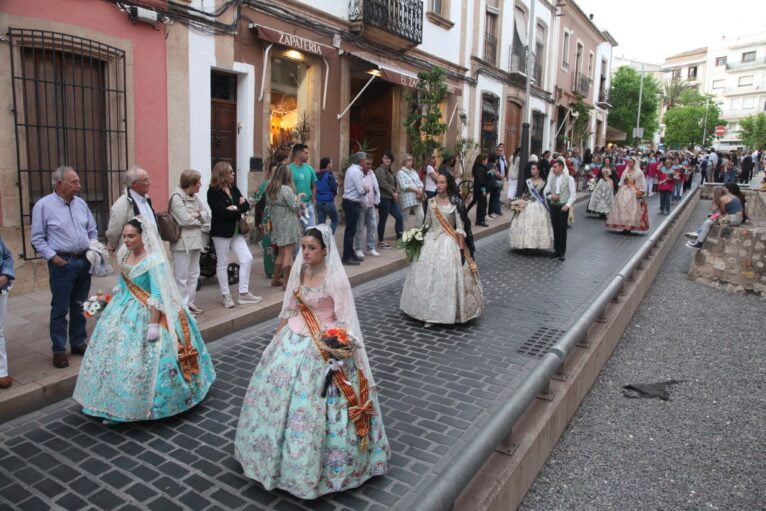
153, 332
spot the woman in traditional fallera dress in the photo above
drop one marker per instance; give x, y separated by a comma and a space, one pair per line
442, 285
629, 212
531, 227
602, 197
146, 358
300, 429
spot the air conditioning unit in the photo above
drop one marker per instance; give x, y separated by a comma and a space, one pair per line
143, 15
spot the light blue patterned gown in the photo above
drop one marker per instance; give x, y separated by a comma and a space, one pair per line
123, 376
289, 436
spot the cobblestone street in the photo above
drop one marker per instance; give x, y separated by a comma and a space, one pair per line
437, 386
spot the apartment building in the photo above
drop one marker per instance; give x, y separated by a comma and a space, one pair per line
737, 78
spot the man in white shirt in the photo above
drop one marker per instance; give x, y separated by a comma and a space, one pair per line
713, 163
135, 201
561, 191
354, 192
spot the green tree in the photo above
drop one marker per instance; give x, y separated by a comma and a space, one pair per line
753, 131
673, 90
623, 96
424, 123
581, 125
693, 116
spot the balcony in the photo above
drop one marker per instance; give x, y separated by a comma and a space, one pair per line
394, 23
603, 99
581, 84
737, 66
519, 59
490, 49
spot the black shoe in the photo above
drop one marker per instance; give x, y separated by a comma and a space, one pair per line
562, 258
554, 255
483, 224
351, 262
79, 350
357, 259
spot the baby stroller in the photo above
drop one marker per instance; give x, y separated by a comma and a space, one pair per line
207, 263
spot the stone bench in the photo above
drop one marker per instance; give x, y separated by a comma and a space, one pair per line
734, 258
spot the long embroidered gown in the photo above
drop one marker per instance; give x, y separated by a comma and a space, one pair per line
531, 228
289, 436
439, 288
124, 377
628, 210
600, 202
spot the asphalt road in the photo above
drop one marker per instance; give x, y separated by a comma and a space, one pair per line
704, 449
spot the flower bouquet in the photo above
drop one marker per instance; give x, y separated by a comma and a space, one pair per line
336, 345
412, 241
96, 304
592, 184
518, 205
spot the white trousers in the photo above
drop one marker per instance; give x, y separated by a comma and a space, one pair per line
649, 185
513, 185
417, 212
244, 257
3, 356
186, 271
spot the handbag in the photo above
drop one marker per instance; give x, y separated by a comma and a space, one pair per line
167, 224
244, 227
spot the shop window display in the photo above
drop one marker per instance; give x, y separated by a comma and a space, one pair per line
288, 100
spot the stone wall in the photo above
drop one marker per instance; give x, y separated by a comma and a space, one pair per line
734, 258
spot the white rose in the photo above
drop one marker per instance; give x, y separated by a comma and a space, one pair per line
419, 236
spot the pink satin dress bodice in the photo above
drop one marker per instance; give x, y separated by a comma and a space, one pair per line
323, 306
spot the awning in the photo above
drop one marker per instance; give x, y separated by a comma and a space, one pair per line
392, 72
297, 42
615, 134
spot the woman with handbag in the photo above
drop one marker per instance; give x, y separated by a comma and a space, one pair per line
190, 214
227, 229
284, 207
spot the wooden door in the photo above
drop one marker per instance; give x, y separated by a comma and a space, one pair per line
512, 127
223, 131
375, 113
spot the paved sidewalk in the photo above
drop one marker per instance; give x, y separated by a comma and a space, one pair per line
438, 387
37, 383
704, 449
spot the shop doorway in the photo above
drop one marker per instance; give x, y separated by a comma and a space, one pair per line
512, 127
223, 118
370, 117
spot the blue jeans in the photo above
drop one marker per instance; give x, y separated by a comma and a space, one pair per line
69, 289
665, 201
678, 189
351, 209
367, 220
389, 206
325, 209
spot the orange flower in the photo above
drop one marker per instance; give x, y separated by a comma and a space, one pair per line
338, 333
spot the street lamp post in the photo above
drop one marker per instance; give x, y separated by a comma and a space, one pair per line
640, 98
704, 123
524, 153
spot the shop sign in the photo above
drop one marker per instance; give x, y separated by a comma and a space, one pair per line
295, 41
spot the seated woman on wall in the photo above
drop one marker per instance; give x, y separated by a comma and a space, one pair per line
727, 210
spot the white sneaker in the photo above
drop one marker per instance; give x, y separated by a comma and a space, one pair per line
374, 253
691, 235
228, 303
248, 298
360, 254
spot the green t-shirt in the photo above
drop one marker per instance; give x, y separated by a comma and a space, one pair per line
303, 177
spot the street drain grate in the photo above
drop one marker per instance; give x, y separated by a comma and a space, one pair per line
540, 342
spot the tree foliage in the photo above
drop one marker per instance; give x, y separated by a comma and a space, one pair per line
753, 131
581, 125
673, 90
623, 96
694, 115
424, 123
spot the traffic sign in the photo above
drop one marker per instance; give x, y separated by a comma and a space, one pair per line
720, 130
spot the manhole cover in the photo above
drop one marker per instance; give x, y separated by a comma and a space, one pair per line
540, 342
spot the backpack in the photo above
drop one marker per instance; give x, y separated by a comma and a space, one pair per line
167, 225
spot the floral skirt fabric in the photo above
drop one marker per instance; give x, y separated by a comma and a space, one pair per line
290, 437
438, 288
601, 199
125, 378
531, 229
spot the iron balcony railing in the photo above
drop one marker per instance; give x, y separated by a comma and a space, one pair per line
403, 18
581, 84
490, 49
519, 59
